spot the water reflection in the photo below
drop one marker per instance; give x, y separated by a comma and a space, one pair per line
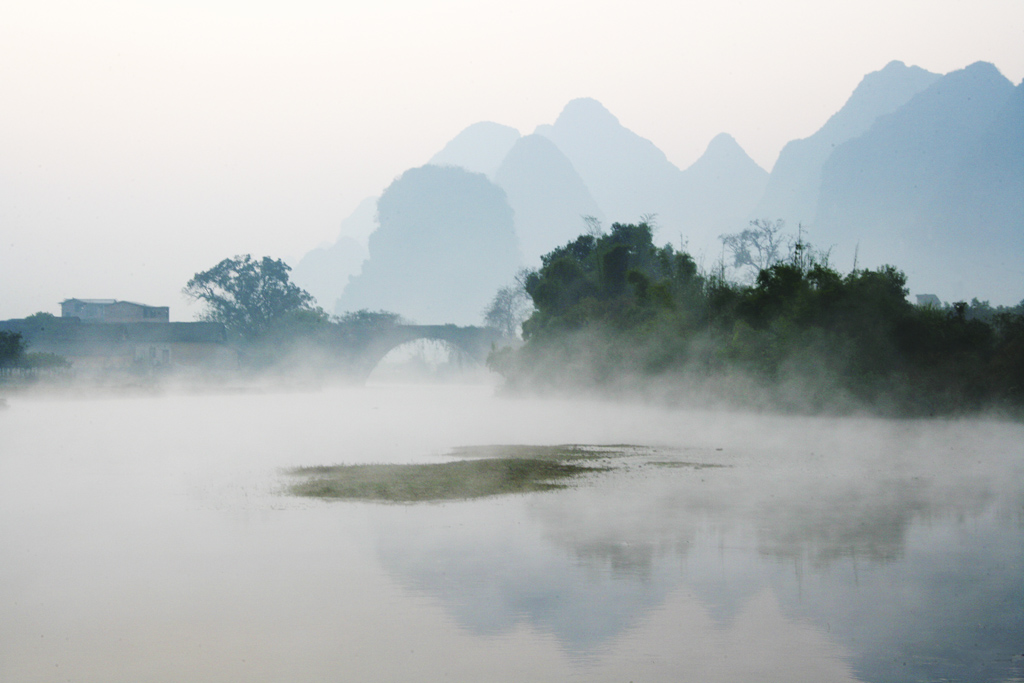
147, 540
910, 558
495, 574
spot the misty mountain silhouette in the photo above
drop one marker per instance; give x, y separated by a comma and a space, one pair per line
324, 272
547, 195
919, 170
984, 194
630, 177
890, 190
792, 191
718, 191
479, 148
626, 174
445, 243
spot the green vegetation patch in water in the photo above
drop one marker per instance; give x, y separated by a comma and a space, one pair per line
559, 453
431, 482
691, 465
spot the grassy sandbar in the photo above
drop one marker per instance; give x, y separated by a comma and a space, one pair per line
481, 471
491, 471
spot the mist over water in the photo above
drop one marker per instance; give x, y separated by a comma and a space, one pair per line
148, 538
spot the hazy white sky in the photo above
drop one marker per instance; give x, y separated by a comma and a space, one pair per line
141, 142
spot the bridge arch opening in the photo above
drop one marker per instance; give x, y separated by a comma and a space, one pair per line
432, 361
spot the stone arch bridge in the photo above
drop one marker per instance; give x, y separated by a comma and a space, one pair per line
359, 348
347, 350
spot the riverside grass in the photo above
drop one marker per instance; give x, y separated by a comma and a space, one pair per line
485, 471
480, 471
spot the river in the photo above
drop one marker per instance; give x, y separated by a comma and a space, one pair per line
149, 538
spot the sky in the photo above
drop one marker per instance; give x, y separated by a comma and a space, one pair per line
142, 142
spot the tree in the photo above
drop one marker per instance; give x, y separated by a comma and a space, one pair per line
510, 307
758, 247
250, 297
619, 278
12, 349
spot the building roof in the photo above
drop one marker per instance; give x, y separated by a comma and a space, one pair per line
108, 302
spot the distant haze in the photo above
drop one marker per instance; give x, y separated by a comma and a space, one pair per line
144, 142
919, 170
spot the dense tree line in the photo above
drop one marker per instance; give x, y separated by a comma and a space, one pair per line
17, 360
613, 308
12, 349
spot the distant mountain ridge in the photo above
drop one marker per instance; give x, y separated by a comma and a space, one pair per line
922, 170
627, 174
986, 189
324, 271
897, 191
445, 243
718, 191
899, 161
792, 190
479, 148
546, 194
630, 177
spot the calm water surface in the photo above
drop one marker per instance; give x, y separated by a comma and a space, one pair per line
147, 539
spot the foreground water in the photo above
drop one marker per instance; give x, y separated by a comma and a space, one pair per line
148, 539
